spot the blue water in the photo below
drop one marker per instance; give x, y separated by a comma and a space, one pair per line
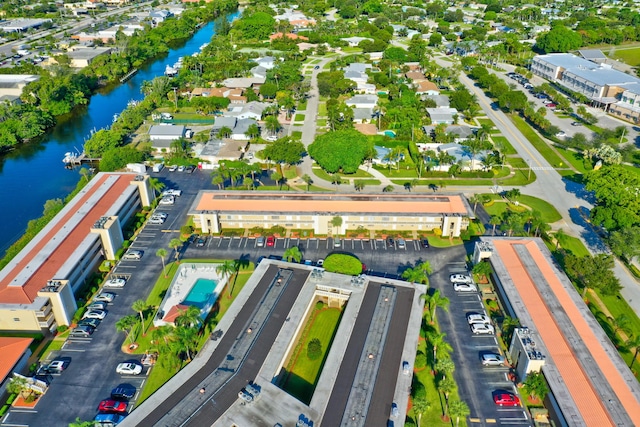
34, 173
201, 293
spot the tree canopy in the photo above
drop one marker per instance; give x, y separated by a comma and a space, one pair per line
559, 39
284, 150
616, 191
342, 150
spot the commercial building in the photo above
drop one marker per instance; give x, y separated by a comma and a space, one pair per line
11, 85
589, 383
614, 90
21, 25
213, 211
37, 286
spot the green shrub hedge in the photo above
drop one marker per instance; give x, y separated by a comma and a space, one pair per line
343, 264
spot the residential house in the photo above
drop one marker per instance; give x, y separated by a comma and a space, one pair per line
11, 85
460, 133
426, 87
159, 16
239, 132
375, 56
415, 76
362, 115
82, 57
161, 136
442, 115
267, 62
223, 122
259, 72
235, 96
250, 110
355, 41
440, 100
295, 18
362, 101
291, 36
244, 82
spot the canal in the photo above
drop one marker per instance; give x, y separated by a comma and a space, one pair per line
34, 173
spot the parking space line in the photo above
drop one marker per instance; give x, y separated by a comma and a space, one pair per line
219, 241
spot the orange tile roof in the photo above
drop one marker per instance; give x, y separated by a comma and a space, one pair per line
321, 203
12, 349
577, 381
175, 312
27, 292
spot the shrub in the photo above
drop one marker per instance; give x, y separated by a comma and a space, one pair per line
11, 399
319, 305
4, 409
418, 390
186, 229
421, 360
343, 264
62, 328
314, 349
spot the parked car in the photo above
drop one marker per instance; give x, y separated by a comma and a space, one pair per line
390, 242
173, 168
505, 398
320, 262
104, 420
201, 242
95, 314
97, 305
394, 410
576, 124
460, 278
180, 168
401, 243
337, 243
54, 367
482, 328
129, 368
425, 243
561, 134
104, 296
133, 255
190, 169
478, 318
162, 215
167, 200
89, 322
110, 406
260, 241
123, 392
117, 283
492, 359
155, 221
271, 241
317, 67
84, 331
464, 287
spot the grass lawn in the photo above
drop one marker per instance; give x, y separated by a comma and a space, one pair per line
322, 109
489, 122
548, 212
299, 118
631, 168
629, 56
573, 245
53, 345
321, 122
296, 134
321, 173
540, 145
369, 181
159, 374
302, 105
303, 372
504, 144
576, 159
290, 173
318, 188
518, 163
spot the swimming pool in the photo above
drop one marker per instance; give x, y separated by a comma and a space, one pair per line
201, 293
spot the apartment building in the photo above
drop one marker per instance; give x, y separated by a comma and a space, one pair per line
37, 287
213, 211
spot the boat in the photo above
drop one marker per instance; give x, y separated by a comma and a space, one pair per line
115, 118
69, 158
170, 71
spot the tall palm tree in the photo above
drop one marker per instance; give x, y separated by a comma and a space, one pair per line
140, 306
189, 318
292, 254
155, 184
126, 324
186, 340
336, 222
445, 366
559, 235
633, 342
277, 177
458, 409
225, 132
446, 386
434, 300
253, 131
163, 335
226, 270
218, 179
414, 275
272, 124
307, 180
495, 220
175, 244
162, 252
420, 406
438, 344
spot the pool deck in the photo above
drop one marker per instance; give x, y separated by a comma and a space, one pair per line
182, 283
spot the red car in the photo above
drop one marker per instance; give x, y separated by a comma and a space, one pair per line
505, 398
271, 241
112, 406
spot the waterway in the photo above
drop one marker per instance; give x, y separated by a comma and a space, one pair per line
34, 173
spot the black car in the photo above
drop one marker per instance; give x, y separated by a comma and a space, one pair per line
201, 242
123, 392
425, 243
89, 322
390, 241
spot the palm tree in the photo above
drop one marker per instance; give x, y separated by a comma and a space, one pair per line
277, 177
175, 244
437, 342
620, 323
446, 387
140, 306
218, 179
445, 366
434, 300
125, 324
336, 222
226, 270
186, 340
272, 124
559, 235
633, 342
458, 409
387, 189
225, 132
155, 184
426, 267
162, 253
420, 406
253, 131
307, 180
336, 179
358, 185
292, 254
189, 317
495, 220
414, 275
163, 336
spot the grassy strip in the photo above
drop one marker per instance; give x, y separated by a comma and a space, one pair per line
368, 181
505, 146
321, 173
299, 118
548, 212
303, 372
576, 159
542, 147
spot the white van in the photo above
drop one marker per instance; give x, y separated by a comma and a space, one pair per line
158, 167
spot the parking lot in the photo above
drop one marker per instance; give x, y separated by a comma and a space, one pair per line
91, 375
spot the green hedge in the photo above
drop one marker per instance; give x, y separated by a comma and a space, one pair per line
343, 264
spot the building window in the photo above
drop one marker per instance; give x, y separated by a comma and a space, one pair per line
16, 319
275, 217
385, 219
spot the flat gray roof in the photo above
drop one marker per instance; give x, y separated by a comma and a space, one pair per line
587, 70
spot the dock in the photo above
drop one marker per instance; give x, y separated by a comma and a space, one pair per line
128, 75
73, 159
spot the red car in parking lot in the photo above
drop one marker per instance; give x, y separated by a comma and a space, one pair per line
505, 398
112, 406
271, 241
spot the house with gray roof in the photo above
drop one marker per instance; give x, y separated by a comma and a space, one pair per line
362, 101
161, 136
442, 115
354, 41
250, 110
239, 132
223, 121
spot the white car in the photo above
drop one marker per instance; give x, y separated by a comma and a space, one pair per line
161, 215
135, 255
173, 168
478, 318
105, 297
95, 314
320, 262
155, 221
97, 305
561, 134
464, 287
128, 368
180, 168
171, 192
167, 200
115, 283
460, 278
482, 328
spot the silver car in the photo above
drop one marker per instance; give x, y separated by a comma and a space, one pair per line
132, 255
482, 328
492, 359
